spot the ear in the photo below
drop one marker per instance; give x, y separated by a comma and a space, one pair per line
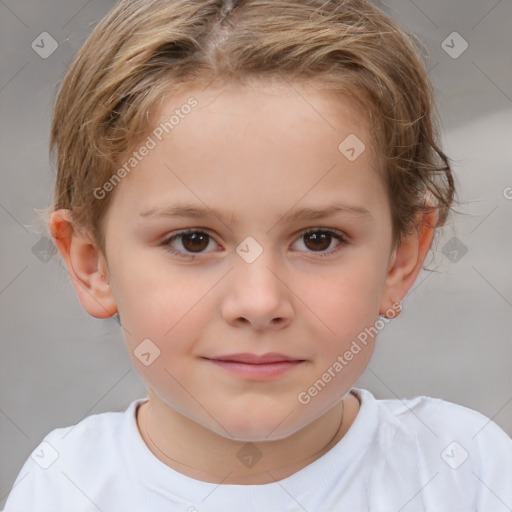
85, 264
407, 260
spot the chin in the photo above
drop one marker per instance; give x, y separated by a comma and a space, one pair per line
254, 427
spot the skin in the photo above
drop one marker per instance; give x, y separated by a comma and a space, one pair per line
256, 153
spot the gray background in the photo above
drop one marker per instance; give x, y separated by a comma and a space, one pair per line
452, 340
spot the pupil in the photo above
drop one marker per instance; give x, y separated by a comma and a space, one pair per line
198, 241
323, 238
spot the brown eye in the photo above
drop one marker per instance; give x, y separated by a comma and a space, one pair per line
317, 241
188, 243
320, 242
195, 242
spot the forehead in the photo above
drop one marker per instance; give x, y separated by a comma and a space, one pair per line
274, 99
265, 143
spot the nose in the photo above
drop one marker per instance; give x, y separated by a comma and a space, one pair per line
256, 295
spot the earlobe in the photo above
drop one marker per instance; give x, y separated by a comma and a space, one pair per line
407, 260
85, 265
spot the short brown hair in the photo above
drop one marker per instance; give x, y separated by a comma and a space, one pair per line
143, 51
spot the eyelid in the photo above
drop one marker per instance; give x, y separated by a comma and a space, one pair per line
166, 243
332, 231
340, 236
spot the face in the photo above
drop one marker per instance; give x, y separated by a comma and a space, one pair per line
247, 229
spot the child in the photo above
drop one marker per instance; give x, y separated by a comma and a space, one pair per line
204, 149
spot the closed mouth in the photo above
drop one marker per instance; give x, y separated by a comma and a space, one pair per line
255, 359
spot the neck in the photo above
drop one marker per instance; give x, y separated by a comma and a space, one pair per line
199, 453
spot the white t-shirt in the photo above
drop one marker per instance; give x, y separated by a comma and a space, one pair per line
399, 455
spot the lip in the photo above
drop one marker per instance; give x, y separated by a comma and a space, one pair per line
248, 358
256, 367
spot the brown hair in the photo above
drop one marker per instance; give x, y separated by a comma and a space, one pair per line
143, 51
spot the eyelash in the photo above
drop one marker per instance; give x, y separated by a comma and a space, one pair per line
335, 234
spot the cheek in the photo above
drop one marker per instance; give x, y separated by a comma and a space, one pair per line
156, 300
163, 334
346, 298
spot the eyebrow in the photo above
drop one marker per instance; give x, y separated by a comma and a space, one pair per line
189, 210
